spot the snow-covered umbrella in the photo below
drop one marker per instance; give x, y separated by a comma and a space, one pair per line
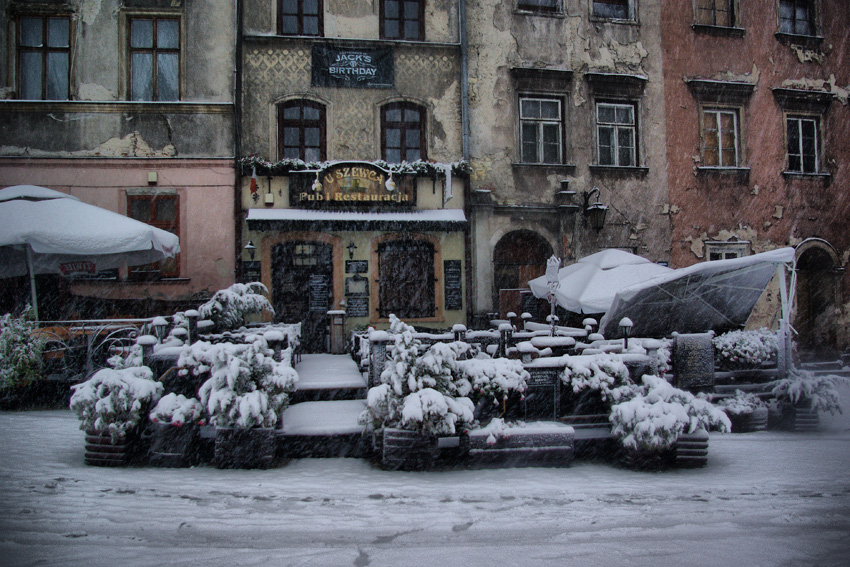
589, 285
43, 231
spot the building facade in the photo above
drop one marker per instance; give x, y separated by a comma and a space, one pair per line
566, 106
757, 114
352, 182
127, 105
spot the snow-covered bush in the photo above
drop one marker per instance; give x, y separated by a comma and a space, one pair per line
651, 416
133, 357
494, 378
430, 411
227, 308
115, 401
20, 352
601, 373
246, 387
745, 349
177, 409
803, 387
741, 403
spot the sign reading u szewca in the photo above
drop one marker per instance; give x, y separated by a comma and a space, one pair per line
352, 184
357, 68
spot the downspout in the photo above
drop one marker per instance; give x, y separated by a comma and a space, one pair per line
237, 139
464, 125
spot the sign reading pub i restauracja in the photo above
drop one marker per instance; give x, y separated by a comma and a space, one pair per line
350, 185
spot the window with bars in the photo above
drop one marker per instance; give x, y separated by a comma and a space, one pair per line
406, 284
614, 9
161, 211
403, 132
720, 146
403, 19
154, 58
300, 17
43, 49
616, 129
541, 130
715, 12
797, 17
302, 130
803, 142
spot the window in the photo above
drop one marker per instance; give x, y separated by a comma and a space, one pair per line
614, 9
726, 249
300, 17
43, 57
720, 138
546, 6
161, 211
403, 19
154, 59
403, 132
796, 17
406, 279
802, 134
301, 131
615, 134
715, 12
540, 130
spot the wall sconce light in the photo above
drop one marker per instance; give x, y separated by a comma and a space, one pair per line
351, 248
596, 211
251, 249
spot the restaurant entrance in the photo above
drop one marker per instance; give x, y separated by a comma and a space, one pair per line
302, 276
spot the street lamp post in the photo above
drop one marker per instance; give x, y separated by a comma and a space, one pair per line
553, 283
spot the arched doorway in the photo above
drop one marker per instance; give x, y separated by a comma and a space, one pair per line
302, 288
817, 298
519, 256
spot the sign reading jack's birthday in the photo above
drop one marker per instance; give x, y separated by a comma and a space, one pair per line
352, 68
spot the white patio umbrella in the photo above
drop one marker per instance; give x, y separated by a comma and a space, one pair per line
43, 231
589, 285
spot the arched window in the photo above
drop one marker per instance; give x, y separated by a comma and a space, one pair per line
302, 131
403, 132
406, 279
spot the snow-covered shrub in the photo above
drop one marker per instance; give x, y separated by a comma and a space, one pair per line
601, 373
177, 409
741, 403
495, 378
227, 308
20, 352
115, 401
246, 387
430, 411
745, 349
651, 416
804, 387
133, 357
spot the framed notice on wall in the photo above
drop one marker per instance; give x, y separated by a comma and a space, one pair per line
453, 286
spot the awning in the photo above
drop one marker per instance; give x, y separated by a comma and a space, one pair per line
305, 219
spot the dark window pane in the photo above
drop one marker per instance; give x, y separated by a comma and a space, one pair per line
625, 115
391, 9
411, 30
711, 156
140, 210
141, 34
550, 109
31, 32
413, 155
411, 10
57, 32
529, 108
311, 25
625, 157
605, 113
166, 68
311, 7
57, 76
394, 115
312, 154
529, 132
30, 76
289, 25
393, 156
411, 115
292, 153
311, 113
794, 163
289, 6
141, 73
391, 28
411, 138
292, 112
611, 8
167, 34
393, 138
606, 146
291, 137
166, 210
311, 137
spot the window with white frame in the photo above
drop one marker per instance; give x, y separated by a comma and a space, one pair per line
43, 49
614, 9
154, 58
541, 130
797, 17
616, 134
803, 142
726, 249
720, 140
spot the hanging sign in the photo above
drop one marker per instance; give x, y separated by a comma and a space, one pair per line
352, 184
352, 68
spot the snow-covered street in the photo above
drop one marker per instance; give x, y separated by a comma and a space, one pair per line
766, 498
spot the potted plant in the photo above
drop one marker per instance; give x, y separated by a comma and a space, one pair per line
802, 395
744, 349
245, 394
176, 422
112, 405
20, 357
746, 412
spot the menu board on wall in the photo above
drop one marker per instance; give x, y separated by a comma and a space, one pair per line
319, 299
453, 286
357, 306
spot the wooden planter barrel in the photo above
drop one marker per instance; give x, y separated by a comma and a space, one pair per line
173, 446
102, 451
245, 448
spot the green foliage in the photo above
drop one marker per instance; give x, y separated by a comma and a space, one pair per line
20, 352
227, 308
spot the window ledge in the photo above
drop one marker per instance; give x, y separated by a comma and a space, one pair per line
560, 166
540, 13
802, 175
722, 31
623, 21
812, 41
620, 170
714, 170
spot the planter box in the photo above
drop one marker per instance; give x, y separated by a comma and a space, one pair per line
749, 422
245, 448
408, 450
174, 447
799, 417
102, 451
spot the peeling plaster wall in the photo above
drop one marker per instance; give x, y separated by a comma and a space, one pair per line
760, 205
501, 39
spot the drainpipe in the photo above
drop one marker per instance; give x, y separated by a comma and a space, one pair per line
464, 78
237, 139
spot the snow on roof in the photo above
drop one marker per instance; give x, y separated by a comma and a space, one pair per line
32, 193
428, 215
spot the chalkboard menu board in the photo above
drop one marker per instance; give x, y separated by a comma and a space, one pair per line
356, 266
357, 307
319, 300
452, 281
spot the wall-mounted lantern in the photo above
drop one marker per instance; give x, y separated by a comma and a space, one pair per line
594, 212
252, 250
351, 248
